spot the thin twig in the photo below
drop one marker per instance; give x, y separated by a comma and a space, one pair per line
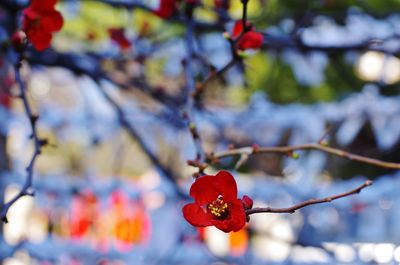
244, 15
135, 135
294, 208
310, 146
324, 135
190, 83
200, 87
38, 143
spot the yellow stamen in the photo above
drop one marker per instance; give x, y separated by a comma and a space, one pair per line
218, 208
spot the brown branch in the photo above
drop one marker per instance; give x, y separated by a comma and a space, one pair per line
310, 146
294, 208
134, 134
26, 188
200, 87
190, 87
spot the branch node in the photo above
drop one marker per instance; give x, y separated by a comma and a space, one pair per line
34, 118
4, 219
43, 142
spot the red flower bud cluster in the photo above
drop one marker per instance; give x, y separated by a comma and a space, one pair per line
250, 39
216, 203
40, 20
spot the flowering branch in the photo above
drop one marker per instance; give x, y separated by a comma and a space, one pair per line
200, 87
294, 208
38, 143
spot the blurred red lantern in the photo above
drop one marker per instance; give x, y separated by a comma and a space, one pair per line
83, 212
131, 225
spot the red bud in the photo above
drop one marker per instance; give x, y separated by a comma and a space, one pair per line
247, 202
18, 39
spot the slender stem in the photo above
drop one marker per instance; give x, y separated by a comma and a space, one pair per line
213, 74
190, 85
294, 208
135, 135
38, 143
244, 14
310, 146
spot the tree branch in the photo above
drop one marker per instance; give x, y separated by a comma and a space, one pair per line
135, 135
200, 87
38, 143
294, 208
190, 81
310, 146
199, 91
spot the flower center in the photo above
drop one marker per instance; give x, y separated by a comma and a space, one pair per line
218, 208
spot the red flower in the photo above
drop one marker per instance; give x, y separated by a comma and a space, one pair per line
215, 203
40, 20
118, 36
250, 39
166, 8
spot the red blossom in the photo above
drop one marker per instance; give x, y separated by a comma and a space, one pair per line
40, 20
250, 40
118, 36
215, 203
166, 8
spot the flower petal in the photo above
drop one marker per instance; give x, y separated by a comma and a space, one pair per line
43, 4
238, 215
237, 28
195, 215
223, 225
250, 40
225, 184
203, 190
40, 39
52, 21
236, 220
30, 14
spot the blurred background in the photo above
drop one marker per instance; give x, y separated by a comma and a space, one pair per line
108, 193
